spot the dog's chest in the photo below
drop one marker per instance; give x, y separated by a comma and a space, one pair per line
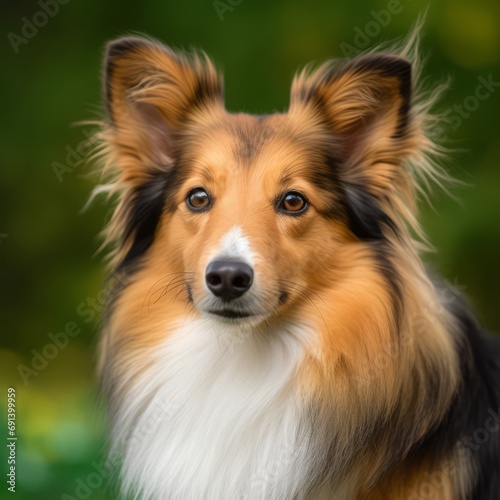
216, 416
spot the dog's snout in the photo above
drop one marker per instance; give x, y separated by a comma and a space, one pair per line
227, 279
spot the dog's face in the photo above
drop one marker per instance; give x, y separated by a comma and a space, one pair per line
249, 222
250, 215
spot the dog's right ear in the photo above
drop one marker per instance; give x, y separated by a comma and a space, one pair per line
150, 92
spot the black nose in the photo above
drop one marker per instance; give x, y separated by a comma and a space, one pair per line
228, 280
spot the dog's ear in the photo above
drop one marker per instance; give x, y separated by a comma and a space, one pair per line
150, 92
365, 105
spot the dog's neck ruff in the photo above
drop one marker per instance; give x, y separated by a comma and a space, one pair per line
216, 415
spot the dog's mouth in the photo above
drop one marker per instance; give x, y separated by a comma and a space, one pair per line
230, 313
240, 313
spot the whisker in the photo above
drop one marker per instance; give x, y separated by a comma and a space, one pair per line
309, 290
179, 292
177, 274
301, 293
173, 283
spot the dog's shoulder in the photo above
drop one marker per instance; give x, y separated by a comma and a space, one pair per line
476, 414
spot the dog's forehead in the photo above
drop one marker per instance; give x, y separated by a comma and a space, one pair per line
244, 140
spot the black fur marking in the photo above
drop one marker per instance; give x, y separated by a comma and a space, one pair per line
283, 298
475, 408
115, 50
206, 89
120, 47
365, 217
146, 206
382, 252
390, 66
478, 401
353, 203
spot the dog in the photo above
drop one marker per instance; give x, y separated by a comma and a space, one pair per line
274, 333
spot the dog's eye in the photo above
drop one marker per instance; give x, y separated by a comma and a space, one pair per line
293, 203
198, 200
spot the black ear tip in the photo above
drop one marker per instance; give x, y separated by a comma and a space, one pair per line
121, 46
385, 63
115, 49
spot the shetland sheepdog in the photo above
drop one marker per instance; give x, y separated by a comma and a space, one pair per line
275, 333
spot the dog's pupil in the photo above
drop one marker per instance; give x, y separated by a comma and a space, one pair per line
293, 202
199, 199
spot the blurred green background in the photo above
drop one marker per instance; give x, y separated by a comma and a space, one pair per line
51, 79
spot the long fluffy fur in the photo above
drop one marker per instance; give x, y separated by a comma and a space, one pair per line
366, 374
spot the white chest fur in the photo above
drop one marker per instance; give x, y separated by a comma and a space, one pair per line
215, 416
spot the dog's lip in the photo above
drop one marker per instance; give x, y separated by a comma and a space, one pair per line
231, 313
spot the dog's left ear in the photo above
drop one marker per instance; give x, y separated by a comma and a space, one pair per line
365, 104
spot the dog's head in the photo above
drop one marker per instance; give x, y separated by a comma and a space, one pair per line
251, 215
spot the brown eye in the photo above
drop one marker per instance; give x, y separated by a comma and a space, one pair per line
198, 200
293, 203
